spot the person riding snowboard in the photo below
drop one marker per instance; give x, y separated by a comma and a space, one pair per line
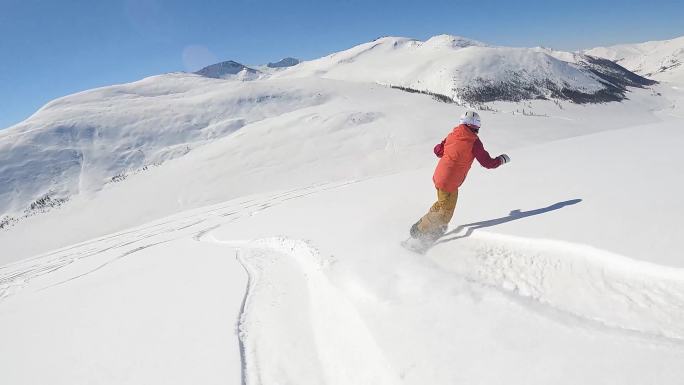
456, 154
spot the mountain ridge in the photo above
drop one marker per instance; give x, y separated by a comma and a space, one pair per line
659, 60
472, 72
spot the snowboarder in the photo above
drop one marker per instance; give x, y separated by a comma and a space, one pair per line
456, 154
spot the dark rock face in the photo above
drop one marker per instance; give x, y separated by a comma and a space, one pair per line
222, 69
286, 62
614, 73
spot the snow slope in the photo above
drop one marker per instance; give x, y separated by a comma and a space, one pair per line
268, 251
659, 60
79, 143
319, 136
330, 297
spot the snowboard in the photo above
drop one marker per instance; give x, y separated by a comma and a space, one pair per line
421, 244
417, 245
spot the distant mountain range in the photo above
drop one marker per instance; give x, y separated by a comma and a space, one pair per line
460, 70
230, 68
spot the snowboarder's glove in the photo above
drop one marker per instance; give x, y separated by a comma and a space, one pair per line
503, 158
439, 149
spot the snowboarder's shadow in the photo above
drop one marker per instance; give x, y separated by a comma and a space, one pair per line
512, 216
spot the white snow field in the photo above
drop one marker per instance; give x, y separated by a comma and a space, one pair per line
253, 233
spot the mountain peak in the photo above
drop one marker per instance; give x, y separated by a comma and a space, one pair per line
224, 68
452, 41
285, 62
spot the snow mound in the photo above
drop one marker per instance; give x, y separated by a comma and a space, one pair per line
590, 283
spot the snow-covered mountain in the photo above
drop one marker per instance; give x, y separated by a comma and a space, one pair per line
473, 72
659, 60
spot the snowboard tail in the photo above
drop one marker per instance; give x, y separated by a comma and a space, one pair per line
421, 243
416, 245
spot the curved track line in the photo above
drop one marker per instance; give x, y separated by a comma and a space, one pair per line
17, 275
297, 327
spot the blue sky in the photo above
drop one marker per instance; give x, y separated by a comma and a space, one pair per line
52, 48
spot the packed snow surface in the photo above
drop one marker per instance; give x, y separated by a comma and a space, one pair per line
248, 232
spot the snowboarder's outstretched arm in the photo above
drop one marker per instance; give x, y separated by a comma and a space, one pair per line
485, 160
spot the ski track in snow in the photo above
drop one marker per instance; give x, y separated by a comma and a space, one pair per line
292, 308
324, 330
15, 276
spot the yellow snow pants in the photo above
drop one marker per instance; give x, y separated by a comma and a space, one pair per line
437, 219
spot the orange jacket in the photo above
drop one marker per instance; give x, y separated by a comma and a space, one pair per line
461, 147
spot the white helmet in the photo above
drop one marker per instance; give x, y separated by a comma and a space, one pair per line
470, 118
